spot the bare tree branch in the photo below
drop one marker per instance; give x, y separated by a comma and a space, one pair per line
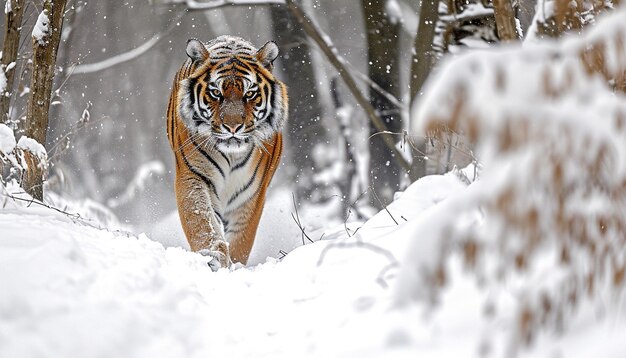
296, 218
75, 217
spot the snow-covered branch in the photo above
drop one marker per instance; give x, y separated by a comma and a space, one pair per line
213, 4
116, 60
126, 56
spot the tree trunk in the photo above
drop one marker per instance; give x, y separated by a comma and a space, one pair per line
422, 62
383, 55
505, 20
305, 129
9, 53
44, 59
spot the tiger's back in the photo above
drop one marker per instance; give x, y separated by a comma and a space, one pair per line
224, 122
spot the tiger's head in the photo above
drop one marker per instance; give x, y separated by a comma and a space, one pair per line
231, 99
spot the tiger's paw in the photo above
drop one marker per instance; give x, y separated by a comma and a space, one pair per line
219, 255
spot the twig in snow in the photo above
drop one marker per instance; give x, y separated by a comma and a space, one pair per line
384, 206
345, 222
296, 218
75, 217
57, 150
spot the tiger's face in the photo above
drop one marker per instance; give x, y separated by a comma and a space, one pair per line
231, 99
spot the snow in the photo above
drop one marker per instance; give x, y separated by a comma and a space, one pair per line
32, 146
7, 7
71, 288
393, 12
7, 139
40, 30
543, 228
277, 234
119, 295
469, 11
3, 83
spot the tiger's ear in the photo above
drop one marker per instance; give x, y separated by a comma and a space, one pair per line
267, 54
196, 50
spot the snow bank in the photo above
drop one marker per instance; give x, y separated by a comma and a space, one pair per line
542, 232
71, 289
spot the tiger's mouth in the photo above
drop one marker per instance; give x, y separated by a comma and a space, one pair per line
234, 140
233, 145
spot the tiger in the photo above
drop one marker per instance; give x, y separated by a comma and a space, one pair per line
224, 124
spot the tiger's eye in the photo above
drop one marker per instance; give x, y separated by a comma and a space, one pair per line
216, 92
250, 94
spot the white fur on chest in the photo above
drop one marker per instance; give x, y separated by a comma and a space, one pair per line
236, 188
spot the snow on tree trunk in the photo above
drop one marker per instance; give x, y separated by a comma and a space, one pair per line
23, 161
14, 10
547, 216
46, 37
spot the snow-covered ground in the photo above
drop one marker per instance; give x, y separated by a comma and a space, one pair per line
70, 289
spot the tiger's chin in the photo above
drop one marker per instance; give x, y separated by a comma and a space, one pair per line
234, 146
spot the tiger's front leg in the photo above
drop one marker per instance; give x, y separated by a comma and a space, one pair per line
203, 228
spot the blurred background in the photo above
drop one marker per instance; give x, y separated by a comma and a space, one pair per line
116, 60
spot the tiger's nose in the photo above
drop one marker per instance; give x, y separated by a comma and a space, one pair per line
232, 128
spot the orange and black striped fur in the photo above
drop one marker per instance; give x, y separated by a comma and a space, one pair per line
224, 122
